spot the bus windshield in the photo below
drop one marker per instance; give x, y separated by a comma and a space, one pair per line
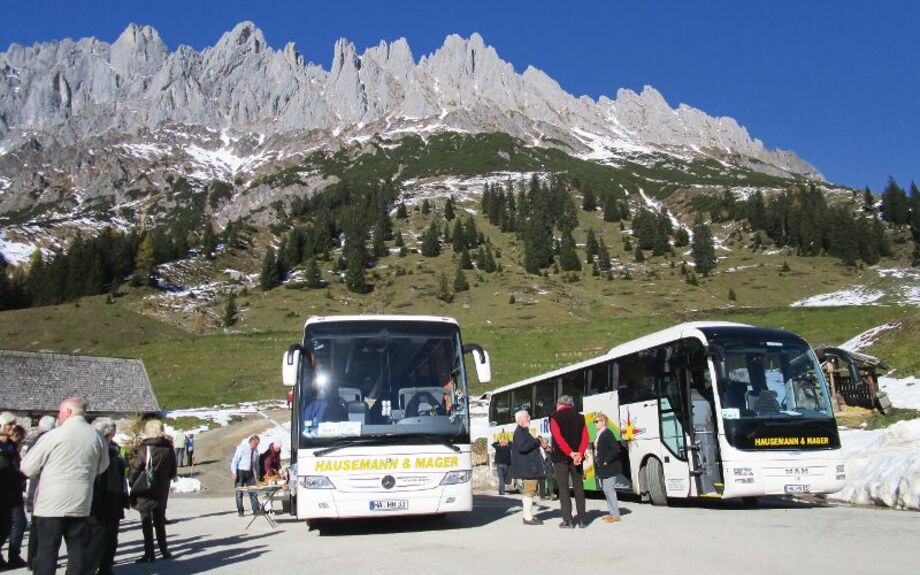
382, 379
772, 379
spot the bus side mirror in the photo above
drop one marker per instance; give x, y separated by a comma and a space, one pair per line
718, 360
290, 365
481, 361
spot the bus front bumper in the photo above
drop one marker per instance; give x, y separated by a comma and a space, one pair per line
334, 504
782, 476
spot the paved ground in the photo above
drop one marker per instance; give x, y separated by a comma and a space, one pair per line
778, 537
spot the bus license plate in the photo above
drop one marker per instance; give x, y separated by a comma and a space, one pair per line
390, 505
796, 488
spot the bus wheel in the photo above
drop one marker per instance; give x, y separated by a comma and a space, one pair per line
654, 479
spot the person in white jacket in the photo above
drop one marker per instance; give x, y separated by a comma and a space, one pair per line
68, 458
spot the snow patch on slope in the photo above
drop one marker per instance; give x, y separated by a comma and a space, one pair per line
868, 337
858, 295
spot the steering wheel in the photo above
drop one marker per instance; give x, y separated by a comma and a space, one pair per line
415, 400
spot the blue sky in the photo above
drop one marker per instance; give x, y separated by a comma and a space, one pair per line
837, 82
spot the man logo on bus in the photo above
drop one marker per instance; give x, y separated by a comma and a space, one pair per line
629, 429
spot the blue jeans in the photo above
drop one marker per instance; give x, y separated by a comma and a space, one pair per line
610, 492
245, 479
502, 477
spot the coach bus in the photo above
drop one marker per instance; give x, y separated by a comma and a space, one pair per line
706, 409
380, 416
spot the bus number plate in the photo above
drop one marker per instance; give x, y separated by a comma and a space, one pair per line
796, 488
390, 505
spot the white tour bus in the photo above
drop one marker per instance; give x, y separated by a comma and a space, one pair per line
708, 409
380, 416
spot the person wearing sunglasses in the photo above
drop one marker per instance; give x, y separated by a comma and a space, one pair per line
607, 465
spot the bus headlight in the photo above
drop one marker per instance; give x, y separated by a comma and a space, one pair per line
316, 482
456, 477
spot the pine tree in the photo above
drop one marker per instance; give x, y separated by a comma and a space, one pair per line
230, 310
603, 256
732, 296
208, 241
568, 257
457, 240
444, 294
314, 275
895, 208
915, 211
868, 201
355, 279
401, 212
627, 244
611, 211
470, 233
588, 199
431, 245
269, 277
465, 262
591, 245
703, 249
681, 238
489, 265
449, 209
144, 264
460, 283
379, 247
398, 240
638, 256
426, 207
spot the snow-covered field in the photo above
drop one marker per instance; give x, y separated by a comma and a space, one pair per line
904, 393
867, 338
857, 295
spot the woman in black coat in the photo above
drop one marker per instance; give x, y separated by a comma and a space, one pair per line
607, 465
526, 464
152, 504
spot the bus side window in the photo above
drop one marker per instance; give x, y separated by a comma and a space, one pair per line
521, 398
501, 409
544, 399
636, 379
598, 379
573, 384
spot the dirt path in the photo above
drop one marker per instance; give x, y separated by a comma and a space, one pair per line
214, 449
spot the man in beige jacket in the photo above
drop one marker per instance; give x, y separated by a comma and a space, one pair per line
68, 458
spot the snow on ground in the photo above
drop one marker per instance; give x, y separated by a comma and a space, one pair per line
222, 162
222, 414
14, 252
185, 485
858, 295
460, 188
278, 433
656, 206
868, 337
882, 466
903, 393
145, 151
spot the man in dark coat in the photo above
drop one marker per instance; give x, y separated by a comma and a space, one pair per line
607, 465
12, 483
152, 505
570, 440
502, 461
110, 499
526, 464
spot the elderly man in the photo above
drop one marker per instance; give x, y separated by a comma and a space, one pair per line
244, 470
570, 440
68, 458
526, 464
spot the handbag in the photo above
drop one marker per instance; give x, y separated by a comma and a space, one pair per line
143, 485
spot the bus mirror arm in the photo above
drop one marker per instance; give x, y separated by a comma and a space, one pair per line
718, 359
481, 361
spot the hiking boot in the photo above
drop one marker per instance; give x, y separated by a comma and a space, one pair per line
16, 562
566, 525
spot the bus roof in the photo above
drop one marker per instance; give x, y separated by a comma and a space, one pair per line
669, 334
657, 338
378, 317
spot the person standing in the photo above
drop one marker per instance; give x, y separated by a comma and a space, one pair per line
179, 442
502, 461
244, 469
154, 453
110, 499
190, 449
45, 424
570, 440
68, 458
12, 516
607, 465
546, 485
526, 464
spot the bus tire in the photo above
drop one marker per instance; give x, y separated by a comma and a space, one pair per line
654, 479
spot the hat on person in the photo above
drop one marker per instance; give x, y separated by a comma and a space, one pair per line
565, 400
47, 423
7, 418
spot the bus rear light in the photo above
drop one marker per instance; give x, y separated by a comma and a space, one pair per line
316, 482
456, 477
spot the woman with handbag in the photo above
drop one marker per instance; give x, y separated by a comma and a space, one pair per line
153, 469
526, 464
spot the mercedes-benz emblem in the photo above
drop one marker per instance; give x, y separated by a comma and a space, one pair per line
388, 482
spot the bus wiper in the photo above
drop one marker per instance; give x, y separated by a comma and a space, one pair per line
434, 438
778, 422
368, 439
